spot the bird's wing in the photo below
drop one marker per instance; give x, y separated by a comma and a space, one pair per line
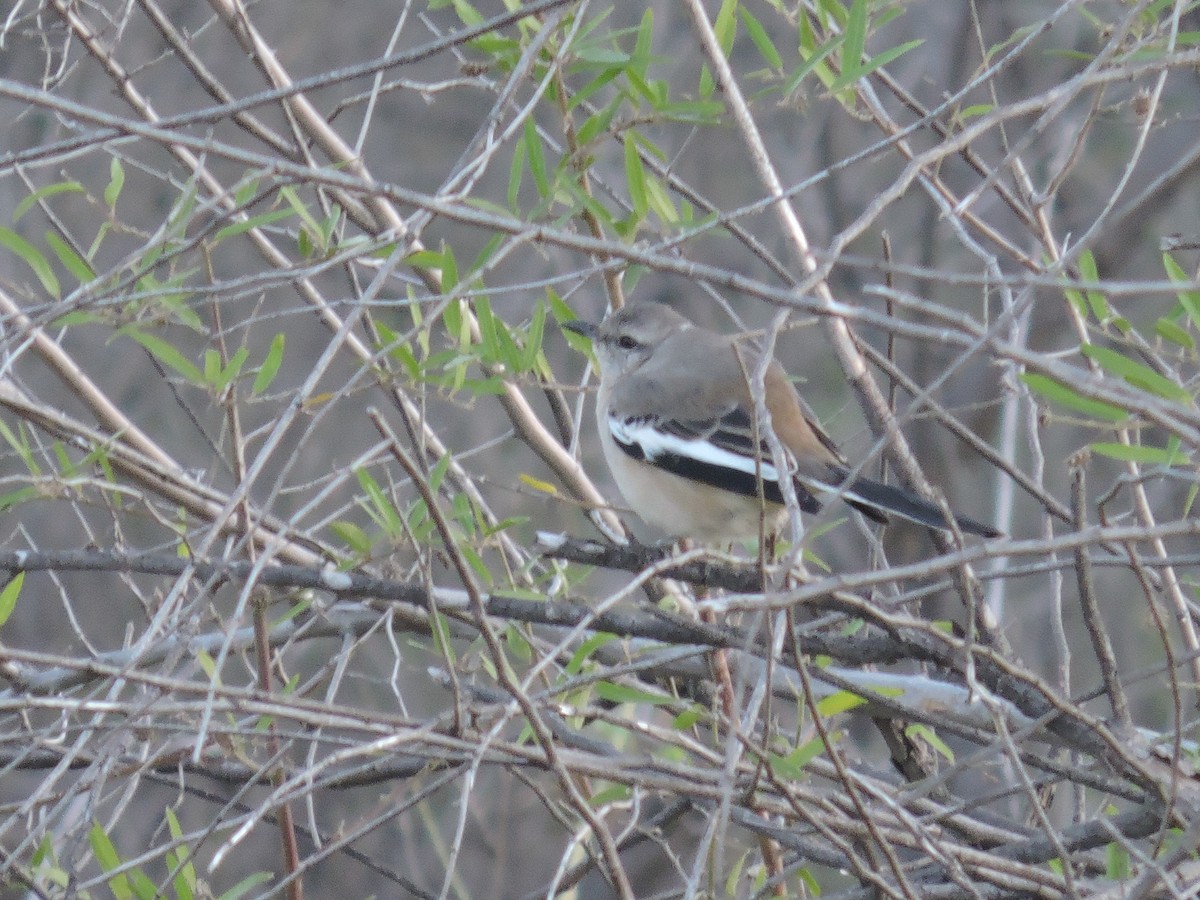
720, 451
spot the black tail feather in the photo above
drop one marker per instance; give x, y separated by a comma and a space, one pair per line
873, 499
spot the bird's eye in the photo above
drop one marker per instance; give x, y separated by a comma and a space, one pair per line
625, 342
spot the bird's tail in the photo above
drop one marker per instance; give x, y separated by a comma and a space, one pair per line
874, 499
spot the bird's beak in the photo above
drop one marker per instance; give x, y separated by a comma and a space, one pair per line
587, 329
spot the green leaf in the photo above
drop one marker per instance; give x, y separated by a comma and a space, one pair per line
19, 441
620, 693
931, 737
43, 193
537, 162
725, 28
515, 170
381, 508
1096, 300
352, 536
402, 353
597, 123
8, 596
488, 341
438, 473
116, 181
693, 112
855, 31
586, 649
449, 270
612, 794
489, 249
1189, 298
644, 46
879, 60
838, 703
247, 192
1116, 862
245, 886
311, 226
166, 354
17, 497
518, 646
974, 111
1139, 453
792, 766
108, 859
1136, 373
467, 13
143, 887
232, 369
425, 259
660, 201
249, 223
635, 176
72, 261
813, 56
1175, 333
1061, 394
270, 367
440, 629
534, 335
761, 39
33, 258
559, 308
688, 717
78, 317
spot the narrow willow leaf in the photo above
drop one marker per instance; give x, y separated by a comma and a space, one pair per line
488, 326
814, 59
533, 338
232, 369
1189, 298
1139, 453
537, 484
43, 193
1065, 396
245, 886
1136, 373
168, 355
688, 718
9, 596
270, 367
586, 649
855, 31
108, 859
352, 536
251, 222
1175, 333
620, 693
1116, 862
643, 49
116, 181
761, 39
1097, 302
515, 171
33, 258
792, 766
635, 177
927, 734
72, 261
537, 161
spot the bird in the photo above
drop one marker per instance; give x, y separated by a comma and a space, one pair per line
679, 432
